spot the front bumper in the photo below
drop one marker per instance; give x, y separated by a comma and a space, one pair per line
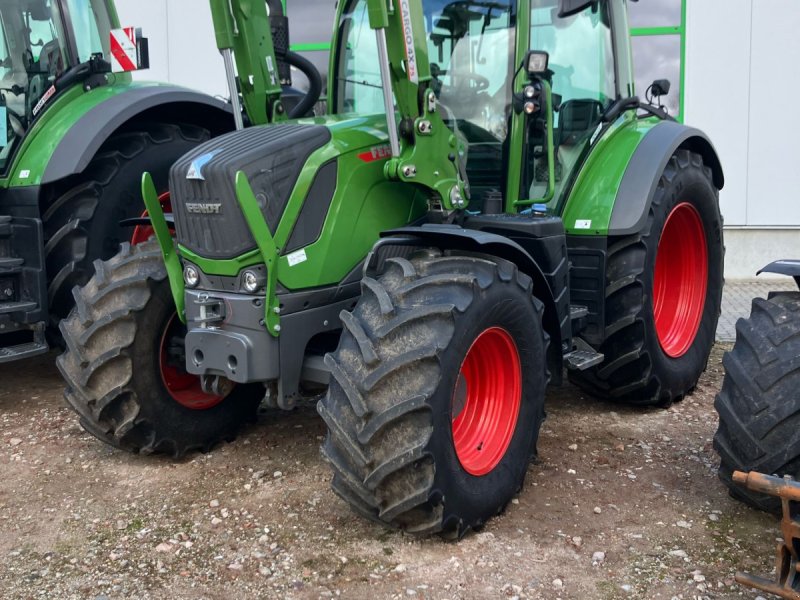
226, 336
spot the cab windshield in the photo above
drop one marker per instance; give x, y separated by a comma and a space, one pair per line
471, 52
34, 53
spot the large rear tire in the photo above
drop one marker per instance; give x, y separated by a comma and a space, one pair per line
758, 406
663, 293
82, 223
437, 393
124, 369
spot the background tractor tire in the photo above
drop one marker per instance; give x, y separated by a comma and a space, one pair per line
400, 395
759, 404
116, 338
82, 223
656, 361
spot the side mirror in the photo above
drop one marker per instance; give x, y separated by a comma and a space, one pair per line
660, 87
536, 63
567, 8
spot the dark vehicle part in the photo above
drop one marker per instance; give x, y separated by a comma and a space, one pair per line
83, 223
663, 292
137, 397
459, 338
758, 405
784, 267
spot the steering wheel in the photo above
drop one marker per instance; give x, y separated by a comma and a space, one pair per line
466, 80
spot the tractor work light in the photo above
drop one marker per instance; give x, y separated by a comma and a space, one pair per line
536, 62
251, 282
191, 276
530, 108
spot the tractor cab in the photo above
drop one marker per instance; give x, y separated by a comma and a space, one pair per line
475, 50
41, 42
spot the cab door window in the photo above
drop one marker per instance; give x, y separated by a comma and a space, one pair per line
583, 82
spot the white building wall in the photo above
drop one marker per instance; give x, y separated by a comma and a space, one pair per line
741, 91
182, 46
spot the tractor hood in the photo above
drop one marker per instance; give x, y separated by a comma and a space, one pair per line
208, 219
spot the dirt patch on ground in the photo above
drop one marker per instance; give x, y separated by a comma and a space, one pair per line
256, 518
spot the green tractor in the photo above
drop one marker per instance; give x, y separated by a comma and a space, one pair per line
75, 138
487, 205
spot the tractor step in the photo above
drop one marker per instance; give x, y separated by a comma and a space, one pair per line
578, 312
10, 266
38, 345
5, 226
582, 357
13, 307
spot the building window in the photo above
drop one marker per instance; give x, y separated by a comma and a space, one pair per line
312, 38
658, 38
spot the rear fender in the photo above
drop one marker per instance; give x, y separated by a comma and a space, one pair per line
616, 184
638, 186
157, 102
452, 237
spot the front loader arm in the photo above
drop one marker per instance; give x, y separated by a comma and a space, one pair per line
242, 29
424, 150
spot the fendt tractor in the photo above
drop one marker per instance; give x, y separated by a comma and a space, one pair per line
487, 205
75, 138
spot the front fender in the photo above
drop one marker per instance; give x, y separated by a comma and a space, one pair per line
784, 267
453, 237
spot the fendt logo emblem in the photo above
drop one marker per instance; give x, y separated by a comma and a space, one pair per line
204, 208
196, 168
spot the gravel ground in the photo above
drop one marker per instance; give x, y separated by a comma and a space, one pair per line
622, 504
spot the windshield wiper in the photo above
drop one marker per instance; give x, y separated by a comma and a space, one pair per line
357, 82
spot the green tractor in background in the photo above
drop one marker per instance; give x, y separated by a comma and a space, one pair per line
75, 138
487, 204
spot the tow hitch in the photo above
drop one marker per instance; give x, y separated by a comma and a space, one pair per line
787, 568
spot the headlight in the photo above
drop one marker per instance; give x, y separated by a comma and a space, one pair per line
191, 276
250, 282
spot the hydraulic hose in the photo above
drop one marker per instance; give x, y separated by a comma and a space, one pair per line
308, 69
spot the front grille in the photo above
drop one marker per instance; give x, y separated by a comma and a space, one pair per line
208, 220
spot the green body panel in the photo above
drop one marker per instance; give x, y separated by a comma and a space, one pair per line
430, 161
243, 26
161, 231
364, 204
111, 7
47, 132
595, 190
266, 247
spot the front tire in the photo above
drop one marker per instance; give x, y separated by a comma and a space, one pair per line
663, 293
123, 364
758, 406
437, 393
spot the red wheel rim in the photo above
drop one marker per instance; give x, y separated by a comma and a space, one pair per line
680, 281
486, 401
142, 233
184, 387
